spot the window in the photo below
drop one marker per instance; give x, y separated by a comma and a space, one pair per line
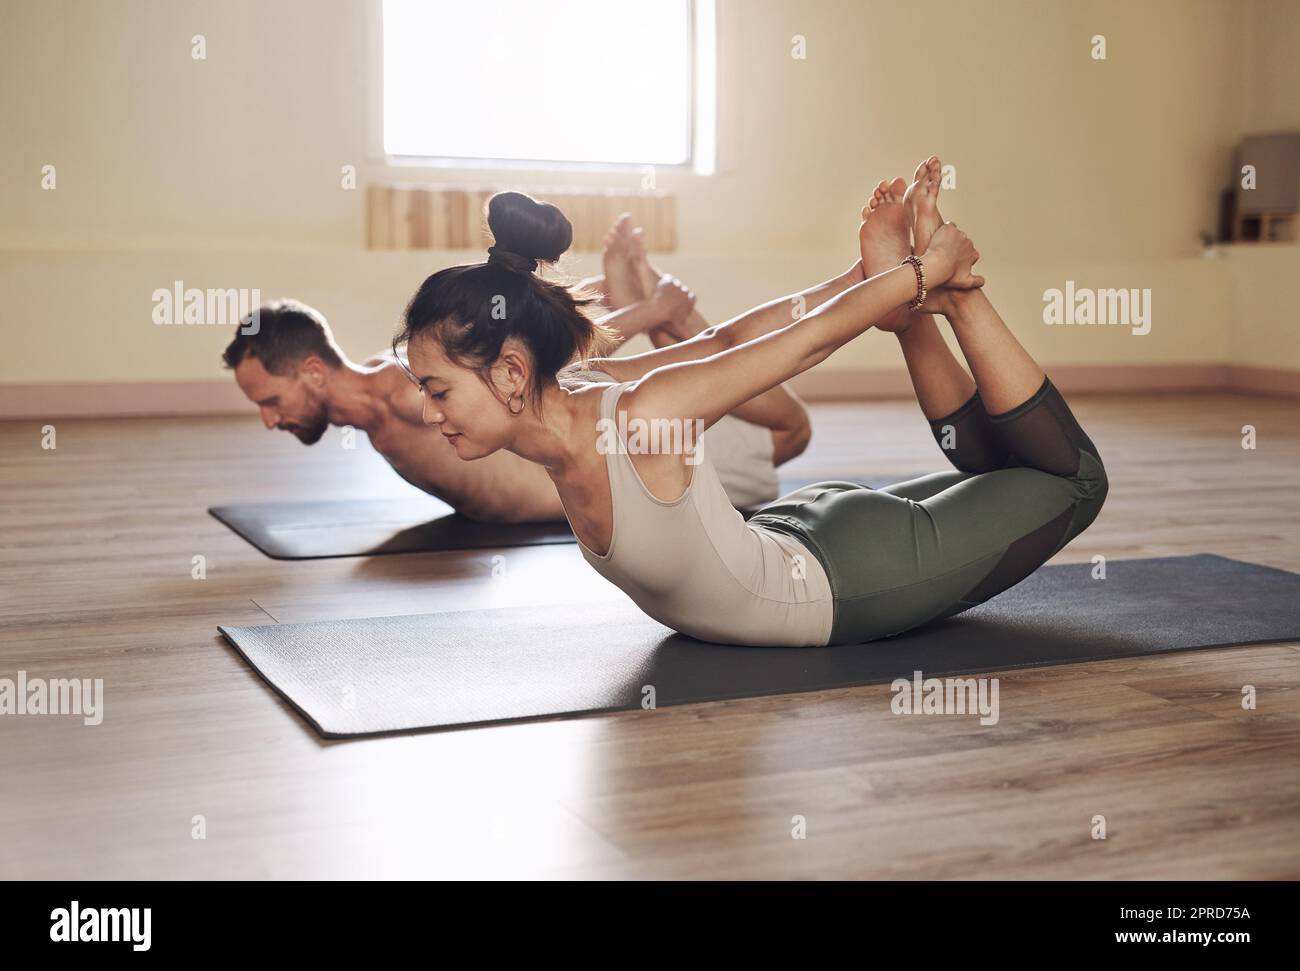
569, 81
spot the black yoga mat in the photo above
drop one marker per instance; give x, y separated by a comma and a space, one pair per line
387, 674
422, 524
371, 527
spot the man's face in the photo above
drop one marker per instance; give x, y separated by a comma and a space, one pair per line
286, 402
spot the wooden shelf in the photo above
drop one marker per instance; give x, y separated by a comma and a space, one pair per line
1264, 227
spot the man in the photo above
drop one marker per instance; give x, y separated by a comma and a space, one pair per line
302, 382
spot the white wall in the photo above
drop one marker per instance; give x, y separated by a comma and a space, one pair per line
225, 172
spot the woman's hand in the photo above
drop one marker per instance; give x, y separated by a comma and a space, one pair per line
949, 259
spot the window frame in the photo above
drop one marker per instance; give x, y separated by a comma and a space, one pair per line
701, 113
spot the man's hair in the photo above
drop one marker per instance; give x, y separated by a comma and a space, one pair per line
288, 332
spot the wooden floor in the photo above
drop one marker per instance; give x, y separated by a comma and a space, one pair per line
96, 545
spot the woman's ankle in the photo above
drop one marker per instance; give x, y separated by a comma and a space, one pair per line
920, 329
953, 305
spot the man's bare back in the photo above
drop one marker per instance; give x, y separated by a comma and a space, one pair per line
501, 487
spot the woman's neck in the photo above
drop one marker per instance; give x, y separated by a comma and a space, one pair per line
553, 436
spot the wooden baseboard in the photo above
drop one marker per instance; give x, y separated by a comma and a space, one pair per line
193, 398
1271, 381
867, 384
123, 400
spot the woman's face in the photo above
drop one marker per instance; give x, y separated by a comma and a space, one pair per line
474, 420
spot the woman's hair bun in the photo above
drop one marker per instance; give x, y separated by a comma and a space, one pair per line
521, 224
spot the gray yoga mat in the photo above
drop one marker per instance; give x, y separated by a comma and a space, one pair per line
421, 524
422, 671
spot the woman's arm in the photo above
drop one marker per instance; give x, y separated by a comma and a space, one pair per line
777, 410
709, 388
761, 320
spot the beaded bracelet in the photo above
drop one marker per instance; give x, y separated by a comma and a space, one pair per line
920, 282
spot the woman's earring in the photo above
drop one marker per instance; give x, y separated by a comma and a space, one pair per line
510, 403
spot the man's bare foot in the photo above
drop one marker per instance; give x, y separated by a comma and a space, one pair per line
885, 243
922, 202
647, 275
622, 285
677, 328
675, 303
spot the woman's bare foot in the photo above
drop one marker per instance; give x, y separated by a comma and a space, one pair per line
922, 202
622, 284
885, 243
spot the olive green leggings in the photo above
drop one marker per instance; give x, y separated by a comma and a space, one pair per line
1027, 482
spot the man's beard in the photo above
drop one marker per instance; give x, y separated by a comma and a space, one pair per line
310, 433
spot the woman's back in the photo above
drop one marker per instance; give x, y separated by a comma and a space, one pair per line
696, 566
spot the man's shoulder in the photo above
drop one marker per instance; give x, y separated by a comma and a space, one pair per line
399, 392
596, 370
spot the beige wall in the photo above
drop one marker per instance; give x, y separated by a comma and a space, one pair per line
225, 172
1263, 325
1272, 71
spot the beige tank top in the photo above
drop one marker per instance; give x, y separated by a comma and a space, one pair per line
741, 452
697, 566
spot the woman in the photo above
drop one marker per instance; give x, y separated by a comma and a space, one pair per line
833, 563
